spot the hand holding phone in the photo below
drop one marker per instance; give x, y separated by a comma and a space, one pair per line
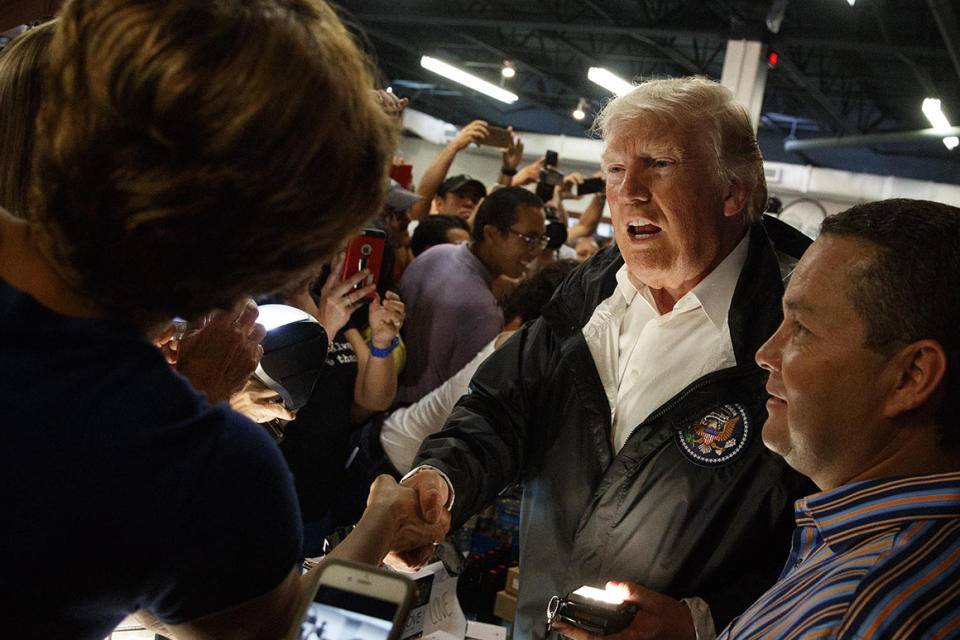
365, 252
355, 601
497, 137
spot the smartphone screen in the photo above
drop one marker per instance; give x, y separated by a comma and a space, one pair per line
336, 614
355, 602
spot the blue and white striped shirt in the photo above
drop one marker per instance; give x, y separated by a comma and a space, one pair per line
873, 559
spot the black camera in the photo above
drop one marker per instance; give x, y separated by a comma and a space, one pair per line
592, 610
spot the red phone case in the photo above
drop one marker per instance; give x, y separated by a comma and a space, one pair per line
365, 252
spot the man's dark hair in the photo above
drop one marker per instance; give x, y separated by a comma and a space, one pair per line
500, 209
908, 291
528, 298
432, 231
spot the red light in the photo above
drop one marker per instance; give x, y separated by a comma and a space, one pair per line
772, 58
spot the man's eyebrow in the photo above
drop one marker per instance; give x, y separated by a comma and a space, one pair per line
792, 304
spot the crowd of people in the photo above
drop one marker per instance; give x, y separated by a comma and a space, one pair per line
746, 434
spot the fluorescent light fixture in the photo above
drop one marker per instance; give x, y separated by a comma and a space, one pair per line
851, 2
467, 79
609, 81
579, 113
931, 109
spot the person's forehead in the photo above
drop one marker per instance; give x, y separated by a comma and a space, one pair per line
530, 218
652, 138
823, 276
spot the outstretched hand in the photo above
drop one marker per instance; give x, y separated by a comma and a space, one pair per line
431, 493
660, 618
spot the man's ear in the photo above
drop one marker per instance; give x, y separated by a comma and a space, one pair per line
736, 199
919, 369
490, 232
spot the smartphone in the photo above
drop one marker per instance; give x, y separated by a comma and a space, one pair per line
355, 601
551, 159
590, 185
497, 137
365, 251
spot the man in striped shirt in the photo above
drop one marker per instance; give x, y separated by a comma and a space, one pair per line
865, 391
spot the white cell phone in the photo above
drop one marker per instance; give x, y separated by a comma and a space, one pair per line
356, 601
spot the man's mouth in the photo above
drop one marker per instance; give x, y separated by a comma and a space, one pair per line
641, 229
775, 395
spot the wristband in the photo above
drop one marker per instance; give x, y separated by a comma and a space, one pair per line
508, 172
377, 352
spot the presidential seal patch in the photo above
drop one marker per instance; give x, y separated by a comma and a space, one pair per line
717, 438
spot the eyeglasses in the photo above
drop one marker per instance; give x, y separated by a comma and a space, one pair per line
532, 240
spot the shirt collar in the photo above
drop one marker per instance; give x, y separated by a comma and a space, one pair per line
714, 293
856, 511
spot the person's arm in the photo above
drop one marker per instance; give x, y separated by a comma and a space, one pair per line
392, 519
376, 383
405, 429
436, 172
589, 219
529, 174
512, 156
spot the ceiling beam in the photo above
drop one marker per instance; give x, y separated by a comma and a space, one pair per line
947, 23
871, 139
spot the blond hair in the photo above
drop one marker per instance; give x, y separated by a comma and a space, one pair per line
702, 105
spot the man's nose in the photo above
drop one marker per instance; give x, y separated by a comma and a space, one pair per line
635, 185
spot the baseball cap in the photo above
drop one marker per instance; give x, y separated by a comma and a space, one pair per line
456, 183
294, 352
400, 198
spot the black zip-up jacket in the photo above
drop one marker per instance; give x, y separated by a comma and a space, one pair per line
667, 511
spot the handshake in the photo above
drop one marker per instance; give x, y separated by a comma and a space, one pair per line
402, 521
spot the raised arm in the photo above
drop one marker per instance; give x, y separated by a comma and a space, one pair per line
436, 172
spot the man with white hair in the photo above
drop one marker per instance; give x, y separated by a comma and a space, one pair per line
630, 410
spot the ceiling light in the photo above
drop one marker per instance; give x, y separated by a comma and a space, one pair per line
609, 81
851, 2
931, 109
508, 71
580, 112
467, 79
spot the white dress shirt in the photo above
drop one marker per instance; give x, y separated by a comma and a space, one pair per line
645, 358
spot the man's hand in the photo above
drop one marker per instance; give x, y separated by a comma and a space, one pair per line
218, 357
391, 104
431, 493
474, 132
339, 299
393, 520
660, 618
513, 154
566, 188
386, 318
529, 174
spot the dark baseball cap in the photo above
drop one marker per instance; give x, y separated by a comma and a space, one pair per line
460, 182
294, 353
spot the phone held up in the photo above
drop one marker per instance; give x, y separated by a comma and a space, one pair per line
497, 137
365, 251
355, 601
590, 185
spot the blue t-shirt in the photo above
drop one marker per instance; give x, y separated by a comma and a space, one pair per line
121, 488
